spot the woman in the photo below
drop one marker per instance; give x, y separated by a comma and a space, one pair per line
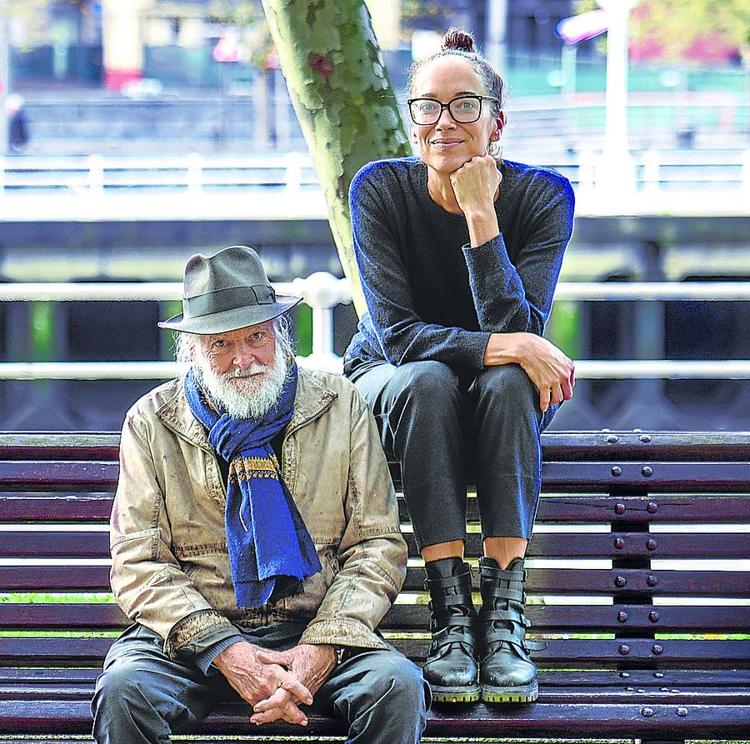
459, 253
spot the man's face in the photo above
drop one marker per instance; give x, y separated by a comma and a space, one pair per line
242, 371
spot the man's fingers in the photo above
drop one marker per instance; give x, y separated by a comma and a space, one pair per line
289, 682
289, 713
267, 656
279, 698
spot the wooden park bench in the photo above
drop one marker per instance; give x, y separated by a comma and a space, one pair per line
641, 642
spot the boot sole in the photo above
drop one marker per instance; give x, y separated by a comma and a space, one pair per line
456, 694
519, 694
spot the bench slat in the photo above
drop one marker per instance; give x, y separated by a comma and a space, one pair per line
617, 582
626, 651
620, 618
663, 477
47, 508
17, 507
664, 679
618, 545
583, 652
58, 475
611, 545
558, 694
587, 445
537, 719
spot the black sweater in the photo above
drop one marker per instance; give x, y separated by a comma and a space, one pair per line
429, 294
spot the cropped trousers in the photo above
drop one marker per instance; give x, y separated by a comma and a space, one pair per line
444, 426
143, 696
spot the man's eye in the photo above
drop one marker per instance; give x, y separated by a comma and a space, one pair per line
219, 344
467, 105
427, 107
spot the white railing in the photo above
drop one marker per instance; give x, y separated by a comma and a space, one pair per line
98, 187
322, 292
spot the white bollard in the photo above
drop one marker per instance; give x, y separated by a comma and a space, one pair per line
322, 292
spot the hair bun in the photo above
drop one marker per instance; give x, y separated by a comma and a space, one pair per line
455, 38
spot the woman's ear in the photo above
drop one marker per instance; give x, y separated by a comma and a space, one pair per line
499, 126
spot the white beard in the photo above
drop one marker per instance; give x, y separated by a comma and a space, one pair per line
244, 394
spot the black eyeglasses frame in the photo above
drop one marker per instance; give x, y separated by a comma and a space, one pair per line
444, 106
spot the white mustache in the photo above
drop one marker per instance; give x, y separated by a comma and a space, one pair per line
256, 369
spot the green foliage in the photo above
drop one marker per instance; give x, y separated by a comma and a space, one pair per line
676, 25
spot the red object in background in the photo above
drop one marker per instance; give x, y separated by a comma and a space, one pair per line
117, 79
226, 50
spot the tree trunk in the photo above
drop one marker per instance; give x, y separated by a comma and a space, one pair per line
343, 98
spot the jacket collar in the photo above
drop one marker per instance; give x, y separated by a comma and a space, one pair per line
313, 398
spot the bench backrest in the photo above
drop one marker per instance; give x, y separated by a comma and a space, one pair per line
639, 559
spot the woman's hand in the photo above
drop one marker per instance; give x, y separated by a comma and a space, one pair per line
548, 368
475, 186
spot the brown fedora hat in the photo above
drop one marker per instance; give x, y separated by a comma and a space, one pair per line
227, 291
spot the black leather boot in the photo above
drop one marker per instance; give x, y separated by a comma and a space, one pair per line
450, 669
507, 673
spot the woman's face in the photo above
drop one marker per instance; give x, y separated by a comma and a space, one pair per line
446, 145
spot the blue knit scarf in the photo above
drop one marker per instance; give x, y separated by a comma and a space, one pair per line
270, 550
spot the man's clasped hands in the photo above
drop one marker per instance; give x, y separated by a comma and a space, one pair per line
276, 683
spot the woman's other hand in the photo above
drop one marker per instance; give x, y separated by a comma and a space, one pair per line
548, 368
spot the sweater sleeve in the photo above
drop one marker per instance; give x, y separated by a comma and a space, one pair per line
402, 335
512, 297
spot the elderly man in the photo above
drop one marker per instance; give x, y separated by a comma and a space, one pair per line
255, 539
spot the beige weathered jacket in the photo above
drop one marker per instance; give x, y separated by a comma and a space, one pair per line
170, 567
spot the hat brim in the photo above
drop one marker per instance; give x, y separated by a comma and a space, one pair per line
231, 320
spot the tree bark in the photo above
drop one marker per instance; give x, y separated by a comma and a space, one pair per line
343, 98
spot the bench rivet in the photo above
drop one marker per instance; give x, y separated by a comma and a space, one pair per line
619, 543
616, 471
647, 712
619, 508
658, 675
654, 616
622, 616
657, 649
624, 649
682, 712
651, 544
624, 675
645, 438
652, 507
613, 439
674, 692
641, 690
652, 580
664, 689
647, 471
620, 581
630, 689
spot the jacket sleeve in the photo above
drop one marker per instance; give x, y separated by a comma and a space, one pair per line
512, 297
402, 334
147, 580
372, 553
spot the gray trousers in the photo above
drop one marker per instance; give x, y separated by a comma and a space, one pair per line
442, 425
143, 696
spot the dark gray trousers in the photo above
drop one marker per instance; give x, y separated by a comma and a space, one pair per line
441, 425
143, 696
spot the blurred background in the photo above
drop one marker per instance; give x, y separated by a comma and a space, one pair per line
139, 132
